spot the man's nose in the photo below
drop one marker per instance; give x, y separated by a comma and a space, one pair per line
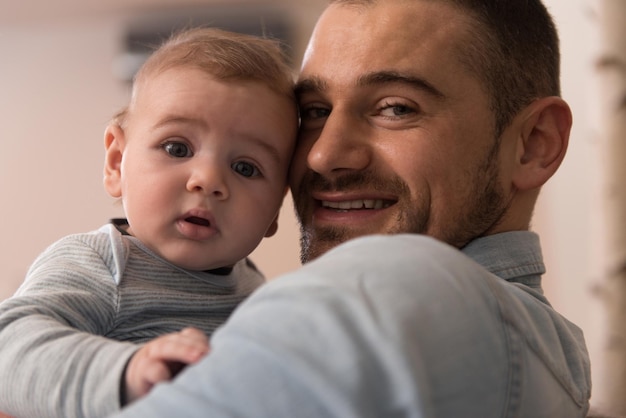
209, 177
343, 145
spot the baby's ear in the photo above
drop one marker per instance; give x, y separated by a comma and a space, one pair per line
114, 146
543, 142
274, 226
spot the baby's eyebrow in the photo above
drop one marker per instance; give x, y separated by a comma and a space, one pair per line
199, 122
179, 120
268, 148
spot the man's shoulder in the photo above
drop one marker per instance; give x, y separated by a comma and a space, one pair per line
389, 258
396, 274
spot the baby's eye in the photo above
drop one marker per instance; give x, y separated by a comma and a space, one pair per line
177, 149
245, 169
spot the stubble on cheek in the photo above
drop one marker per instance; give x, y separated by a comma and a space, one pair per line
314, 244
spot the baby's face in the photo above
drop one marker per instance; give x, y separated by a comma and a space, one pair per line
204, 166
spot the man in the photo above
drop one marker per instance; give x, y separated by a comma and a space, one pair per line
435, 117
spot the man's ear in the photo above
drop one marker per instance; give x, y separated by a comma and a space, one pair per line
542, 142
114, 146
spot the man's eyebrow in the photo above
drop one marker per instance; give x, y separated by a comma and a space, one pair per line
391, 77
310, 84
316, 84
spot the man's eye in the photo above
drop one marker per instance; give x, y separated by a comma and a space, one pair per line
177, 149
314, 113
395, 110
245, 169
313, 117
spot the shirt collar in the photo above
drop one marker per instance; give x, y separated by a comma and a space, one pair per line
513, 256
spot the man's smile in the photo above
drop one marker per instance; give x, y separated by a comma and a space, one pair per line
357, 204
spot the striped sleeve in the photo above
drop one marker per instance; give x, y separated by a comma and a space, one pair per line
54, 360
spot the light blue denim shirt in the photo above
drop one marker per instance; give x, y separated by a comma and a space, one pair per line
516, 257
513, 256
392, 326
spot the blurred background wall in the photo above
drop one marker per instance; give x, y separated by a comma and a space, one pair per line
60, 83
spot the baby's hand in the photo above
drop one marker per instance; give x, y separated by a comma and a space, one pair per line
161, 359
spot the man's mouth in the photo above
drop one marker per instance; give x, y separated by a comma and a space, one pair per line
196, 220
357, 204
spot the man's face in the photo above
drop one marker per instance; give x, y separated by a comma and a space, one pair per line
397, 135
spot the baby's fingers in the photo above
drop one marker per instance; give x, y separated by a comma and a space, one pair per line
196, 341
162, 358
187, 346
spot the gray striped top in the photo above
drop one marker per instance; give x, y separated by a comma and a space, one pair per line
87, 301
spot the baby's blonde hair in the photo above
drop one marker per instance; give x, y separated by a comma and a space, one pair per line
222, 54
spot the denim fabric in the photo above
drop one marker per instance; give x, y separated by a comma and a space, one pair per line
392, 326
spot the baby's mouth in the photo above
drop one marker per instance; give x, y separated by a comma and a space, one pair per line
198, 221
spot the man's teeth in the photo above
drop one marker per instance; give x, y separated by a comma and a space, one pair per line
356, 204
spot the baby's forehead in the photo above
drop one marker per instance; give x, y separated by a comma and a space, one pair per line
185, 93
149, 75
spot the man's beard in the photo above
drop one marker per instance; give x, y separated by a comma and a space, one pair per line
483, 211
316, 241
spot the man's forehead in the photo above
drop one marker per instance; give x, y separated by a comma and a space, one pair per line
347, 45
383, 25
387, 25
